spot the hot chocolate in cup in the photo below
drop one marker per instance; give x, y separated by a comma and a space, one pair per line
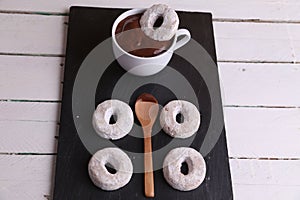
150, 57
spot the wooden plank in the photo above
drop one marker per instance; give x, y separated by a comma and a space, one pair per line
274, 192
249, 42
31, 34
30, 77
26, 177
256, 9
27, 136
38, 78
29, 111
293, 34
30, 177
265, 172
251, 132
260, 84
263, 132
25, 190
262, 42
265, 179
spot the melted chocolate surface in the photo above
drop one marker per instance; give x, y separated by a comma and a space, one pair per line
133, 40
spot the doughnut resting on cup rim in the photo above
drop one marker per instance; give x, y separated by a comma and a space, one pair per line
145, 66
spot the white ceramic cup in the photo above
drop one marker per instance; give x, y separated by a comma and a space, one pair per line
145, 66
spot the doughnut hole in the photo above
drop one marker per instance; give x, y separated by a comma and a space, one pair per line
179, 118
111, 116
186, 166
184, 169
110, 168
113, 119
158, 22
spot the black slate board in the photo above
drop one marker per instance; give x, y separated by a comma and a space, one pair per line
87, 28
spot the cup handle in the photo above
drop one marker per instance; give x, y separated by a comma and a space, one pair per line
184, 40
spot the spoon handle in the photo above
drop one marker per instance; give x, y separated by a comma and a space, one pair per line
148, 165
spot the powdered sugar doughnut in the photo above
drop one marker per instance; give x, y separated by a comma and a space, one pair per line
169, 26
99, 174
191, 119
102, 115
196, 168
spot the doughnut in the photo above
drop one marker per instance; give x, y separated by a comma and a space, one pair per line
191, 119
99, 174
196, 168
169, 26
103, 114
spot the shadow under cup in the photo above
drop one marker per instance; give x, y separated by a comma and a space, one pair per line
145, 66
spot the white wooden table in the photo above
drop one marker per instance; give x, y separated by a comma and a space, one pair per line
258, 48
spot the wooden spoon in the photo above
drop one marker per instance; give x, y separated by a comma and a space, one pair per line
146, 110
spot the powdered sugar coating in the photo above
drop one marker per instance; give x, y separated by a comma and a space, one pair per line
169, 26
100, 175
102, 115
196, 168
191, 121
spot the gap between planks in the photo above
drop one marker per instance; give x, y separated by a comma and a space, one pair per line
261, 158
219, 61
226, 106
230, 158
31, 54
28, 154
30, 101
258, 62
255, 20
260, 106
